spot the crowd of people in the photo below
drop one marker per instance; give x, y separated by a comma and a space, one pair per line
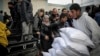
46, 25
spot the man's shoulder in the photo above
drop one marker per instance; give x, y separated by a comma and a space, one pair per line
87, 17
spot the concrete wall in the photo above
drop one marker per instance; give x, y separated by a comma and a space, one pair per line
5, 6
1, 4
37, 4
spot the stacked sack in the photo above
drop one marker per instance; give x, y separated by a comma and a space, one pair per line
72, 42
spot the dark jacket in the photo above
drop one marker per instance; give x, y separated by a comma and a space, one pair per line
37, 23
52, 17
25, 11
70, 21
46, 30
97, 18
46, 44
57, 26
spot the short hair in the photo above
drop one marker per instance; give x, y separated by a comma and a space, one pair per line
87, 8
75, 6
54, 8
64, 9
10, 3
41, 10
1, 11
98, 9
63, 15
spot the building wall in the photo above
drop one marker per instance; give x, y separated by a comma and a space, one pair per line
1, 4
37, 4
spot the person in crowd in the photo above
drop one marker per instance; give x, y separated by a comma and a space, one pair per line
50, 12
68, 13
13, 11
62, 23
93, 12
5, 17
4, 33
1, 15
46, 13
70, 21
97, 16
64, 11
87, 10
38, 18
25, 9
85, 23
54, 16
46, 34
59, 11
38, 21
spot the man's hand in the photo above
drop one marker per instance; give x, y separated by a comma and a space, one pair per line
46, 37
38, 33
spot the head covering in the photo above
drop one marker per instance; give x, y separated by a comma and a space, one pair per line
46, 17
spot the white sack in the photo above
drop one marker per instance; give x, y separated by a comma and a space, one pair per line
52, 51
82, 49
46, 54
58, 41
77, 36
55, 45
60, 53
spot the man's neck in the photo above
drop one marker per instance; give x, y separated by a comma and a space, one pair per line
78, 17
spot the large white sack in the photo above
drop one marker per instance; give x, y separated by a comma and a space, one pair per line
79, 48
52, 51
77, 36
63, 46
60, 53
46, 54
55, 45
58, 42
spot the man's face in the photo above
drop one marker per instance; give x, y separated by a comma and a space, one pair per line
46, 20
64, 11
75, 14
64, 19
70, 15
41, 14
55, 11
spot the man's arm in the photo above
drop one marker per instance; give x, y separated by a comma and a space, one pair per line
94, 28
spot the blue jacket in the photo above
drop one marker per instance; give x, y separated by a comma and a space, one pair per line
97, 18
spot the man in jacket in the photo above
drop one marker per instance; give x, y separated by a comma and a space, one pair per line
25, 10
85, 23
